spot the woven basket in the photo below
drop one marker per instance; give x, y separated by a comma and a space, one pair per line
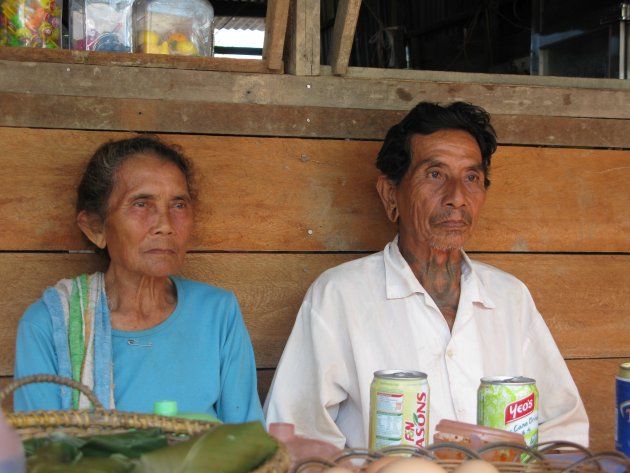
553, 457
101, 421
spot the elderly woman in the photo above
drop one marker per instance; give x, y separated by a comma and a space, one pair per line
137, 333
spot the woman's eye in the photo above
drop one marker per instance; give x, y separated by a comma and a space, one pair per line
434, 174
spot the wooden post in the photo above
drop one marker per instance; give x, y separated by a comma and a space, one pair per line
343, 34
303, 40
275, 33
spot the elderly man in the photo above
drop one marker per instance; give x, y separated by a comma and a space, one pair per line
422, 304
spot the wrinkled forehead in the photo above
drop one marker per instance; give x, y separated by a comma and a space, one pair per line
444, 143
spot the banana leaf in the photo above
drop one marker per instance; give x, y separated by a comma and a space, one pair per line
226, 448
132, 444
112, 453
58, 445
112, 464
54, 452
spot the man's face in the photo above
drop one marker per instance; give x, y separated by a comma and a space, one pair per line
439, 198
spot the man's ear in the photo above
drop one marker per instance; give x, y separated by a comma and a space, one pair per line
387, 191
93, 227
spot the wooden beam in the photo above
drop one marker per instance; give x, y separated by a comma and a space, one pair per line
148, 61
202, 87
249, 119
275, 33
303, 50
343, 34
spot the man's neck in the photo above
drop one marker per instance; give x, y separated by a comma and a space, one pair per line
439, 271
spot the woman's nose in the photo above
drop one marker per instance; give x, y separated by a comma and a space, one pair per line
163, 223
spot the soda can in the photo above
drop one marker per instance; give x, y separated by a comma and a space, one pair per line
509, 403
622, 419
399, 409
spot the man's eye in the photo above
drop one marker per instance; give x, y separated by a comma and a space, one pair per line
180, 205
140, 204
434, 174
473, 178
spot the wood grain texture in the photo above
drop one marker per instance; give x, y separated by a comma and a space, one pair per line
198, 63
113, 81
275, 32
303, 42
578, 295
541, 199
343, 34
177, 116
595, 380
161, 61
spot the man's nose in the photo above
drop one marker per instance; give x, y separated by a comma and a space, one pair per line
454, 193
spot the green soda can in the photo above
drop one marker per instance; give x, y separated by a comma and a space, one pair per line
399, 409
509, 403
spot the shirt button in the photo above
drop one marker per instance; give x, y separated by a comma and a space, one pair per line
450, 353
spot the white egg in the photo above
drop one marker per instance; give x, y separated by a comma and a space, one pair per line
337, 469
380, 463
476, 466
413, 465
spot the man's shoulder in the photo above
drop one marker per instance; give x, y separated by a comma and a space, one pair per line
491, 276
355, 270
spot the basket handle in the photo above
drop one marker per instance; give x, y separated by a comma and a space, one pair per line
50, 378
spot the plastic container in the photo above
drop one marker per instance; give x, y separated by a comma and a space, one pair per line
179, 27
169, 408
100, 25
12, 458
301, 447
473, 437
31, 24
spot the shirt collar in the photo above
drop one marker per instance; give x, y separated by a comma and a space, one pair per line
400, 282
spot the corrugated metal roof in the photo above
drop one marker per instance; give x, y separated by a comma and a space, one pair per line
239, 23
240, 14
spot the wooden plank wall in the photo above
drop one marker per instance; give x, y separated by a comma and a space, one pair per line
286, 174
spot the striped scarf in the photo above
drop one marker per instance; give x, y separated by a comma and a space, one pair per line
82, 338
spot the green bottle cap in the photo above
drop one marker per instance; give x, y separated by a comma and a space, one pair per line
165, 408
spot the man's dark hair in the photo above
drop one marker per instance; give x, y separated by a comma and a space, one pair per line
394, 158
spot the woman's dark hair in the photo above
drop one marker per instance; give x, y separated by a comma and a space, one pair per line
99, 177
394, 158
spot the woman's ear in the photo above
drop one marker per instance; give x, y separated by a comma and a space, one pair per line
387, 191
93, 227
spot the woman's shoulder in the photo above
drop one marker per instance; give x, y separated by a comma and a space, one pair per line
197, 289
36, 313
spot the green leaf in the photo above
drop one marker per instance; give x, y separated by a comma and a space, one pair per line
131, 444
227, 448
113, 464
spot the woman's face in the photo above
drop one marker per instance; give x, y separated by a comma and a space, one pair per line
149, 217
